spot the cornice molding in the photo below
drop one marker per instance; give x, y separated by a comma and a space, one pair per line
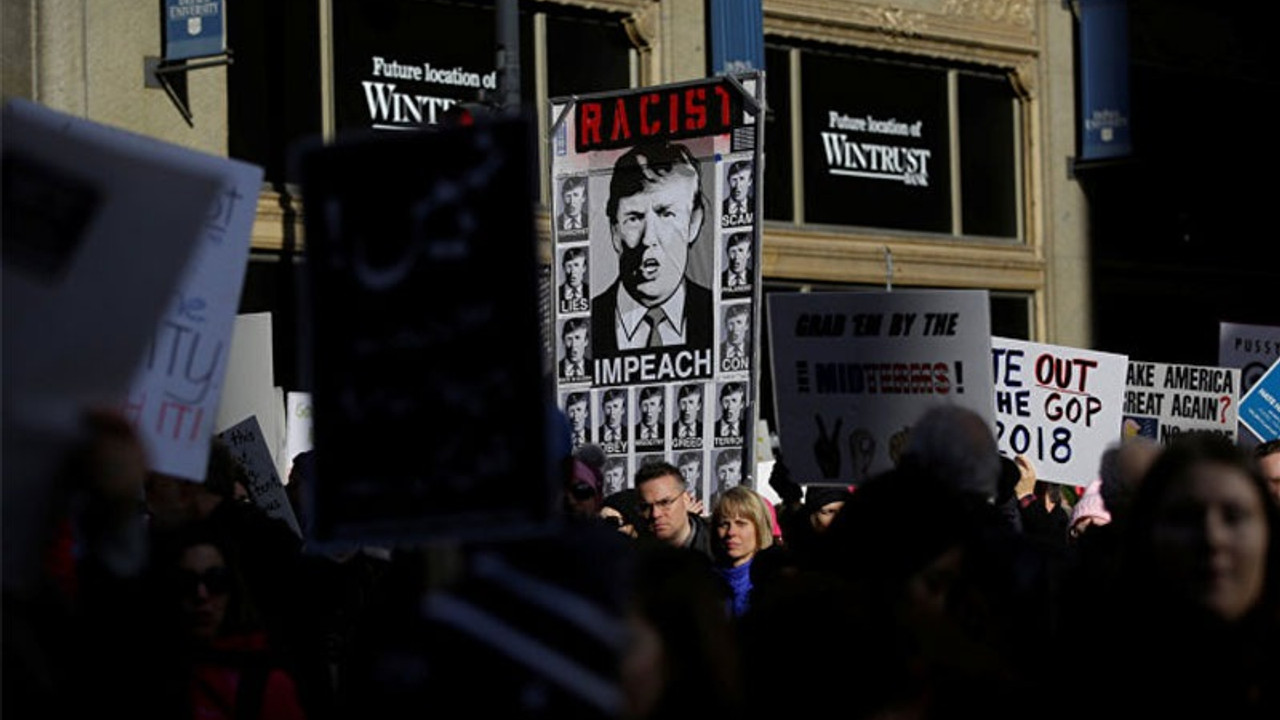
848, 258
999, 26
270, 229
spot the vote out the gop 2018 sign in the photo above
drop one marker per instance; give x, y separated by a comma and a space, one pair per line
1058, 406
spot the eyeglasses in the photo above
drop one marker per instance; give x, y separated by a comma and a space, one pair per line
663, 505
582, 491
216, 581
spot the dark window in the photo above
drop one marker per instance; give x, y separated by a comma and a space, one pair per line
1011, 315
778, 176
271, 285
273, 85
586, 55
876, 144
398, 64
988, 158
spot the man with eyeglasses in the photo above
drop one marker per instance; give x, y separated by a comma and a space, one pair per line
664, 505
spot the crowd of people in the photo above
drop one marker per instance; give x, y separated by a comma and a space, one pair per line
957, 584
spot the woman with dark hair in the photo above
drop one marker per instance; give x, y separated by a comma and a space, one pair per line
232, 672
1195, 627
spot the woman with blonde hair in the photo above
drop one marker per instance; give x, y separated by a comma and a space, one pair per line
743, 528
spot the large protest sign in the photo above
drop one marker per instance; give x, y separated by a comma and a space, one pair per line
1260, 407
1059, 406
428, 402
97, 227
249, 448
1252, 348
250, 389
299, 435
1163, 401
656, 223
853, 372
174, 398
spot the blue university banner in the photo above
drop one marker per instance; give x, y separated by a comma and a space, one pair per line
193, 28
1104, 79
737, 35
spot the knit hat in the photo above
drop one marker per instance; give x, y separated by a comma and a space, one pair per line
817, 496
583, 474
1090, 505
627, 503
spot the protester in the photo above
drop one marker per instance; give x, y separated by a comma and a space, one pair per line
582, 489
1044, 516
1267, 455
1089, 511
1197, 597
743, 529
682, 661
621, 510
233, 673
934, 640
664, 505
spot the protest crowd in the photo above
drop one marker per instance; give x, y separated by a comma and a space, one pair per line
954, 585
958, 580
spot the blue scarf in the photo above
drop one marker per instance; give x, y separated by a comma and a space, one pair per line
739, 580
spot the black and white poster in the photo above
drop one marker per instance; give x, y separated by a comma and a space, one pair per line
655, 215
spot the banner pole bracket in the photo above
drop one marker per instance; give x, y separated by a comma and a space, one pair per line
156, 72
747, 98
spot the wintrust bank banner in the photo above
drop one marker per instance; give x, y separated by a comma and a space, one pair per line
850, 157
876, 145
401, 64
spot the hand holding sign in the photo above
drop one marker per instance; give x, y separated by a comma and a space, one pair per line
826, 449
1026, 477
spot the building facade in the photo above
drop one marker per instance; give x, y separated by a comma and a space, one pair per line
968, 104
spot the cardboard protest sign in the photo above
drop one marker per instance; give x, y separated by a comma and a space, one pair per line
249, 448
1059, 406
853, 372
299, 434
175, 395
82, 204
656, 276
1260, 407
1162, 401
1252, 348
429, 409
249, 387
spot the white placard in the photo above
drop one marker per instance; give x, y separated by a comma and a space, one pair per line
1162, 401
299, 436
1059, 406
175, 394
853, 372
1252, 348
249, 448
98, 226
250, 389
